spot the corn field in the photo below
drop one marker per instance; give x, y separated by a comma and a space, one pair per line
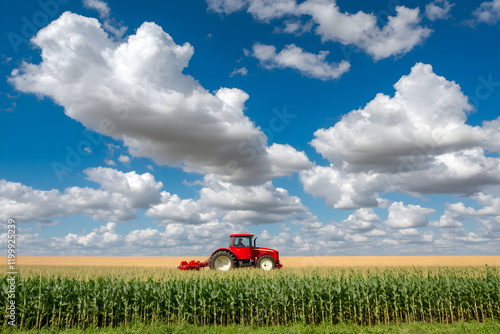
258, 298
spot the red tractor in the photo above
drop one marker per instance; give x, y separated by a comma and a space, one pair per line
242, 252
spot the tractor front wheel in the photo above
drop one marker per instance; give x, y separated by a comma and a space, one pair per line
266, 262
223, 261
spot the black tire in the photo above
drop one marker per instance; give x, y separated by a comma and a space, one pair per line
266, 262
222, 260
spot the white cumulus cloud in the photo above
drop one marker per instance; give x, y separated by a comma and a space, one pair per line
119, 196
415, 142
342, 190
400, 35
438, 9
408, 217
487, 216
140, 189
134, 90
426, 115
226, 202
292, 56
488, 12
361, 220
124, 159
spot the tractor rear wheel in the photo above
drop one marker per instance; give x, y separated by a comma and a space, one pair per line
266, 262
222, 260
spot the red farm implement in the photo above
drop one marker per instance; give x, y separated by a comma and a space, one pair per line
193, 265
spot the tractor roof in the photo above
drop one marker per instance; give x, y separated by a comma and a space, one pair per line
241, 235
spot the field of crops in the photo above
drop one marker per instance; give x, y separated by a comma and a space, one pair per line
102, 296
288, 261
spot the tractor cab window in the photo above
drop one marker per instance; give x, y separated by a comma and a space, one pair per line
242, 242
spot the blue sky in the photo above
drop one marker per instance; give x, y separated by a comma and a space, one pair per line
324, 127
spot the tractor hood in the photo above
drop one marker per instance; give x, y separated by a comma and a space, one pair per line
264, 249
260, 251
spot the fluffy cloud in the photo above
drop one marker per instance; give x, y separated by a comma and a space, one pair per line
120, 195
327, 234
173, 209
464, 171
487, 216
427, 114
124, 159
140, 190
438, 9
407, 217
446, 221
361, 220
266, 10
308, 64
109, 227
414, 142
342, 190
27, 204
134, 90
488, 12
222, 201
285, 159
400, 35
490, 204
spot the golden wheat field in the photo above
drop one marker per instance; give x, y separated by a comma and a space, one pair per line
288, 262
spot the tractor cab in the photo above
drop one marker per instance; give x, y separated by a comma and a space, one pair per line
241, 240
241, 245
